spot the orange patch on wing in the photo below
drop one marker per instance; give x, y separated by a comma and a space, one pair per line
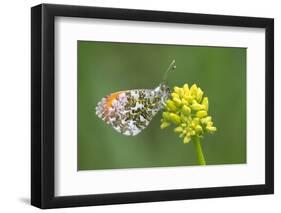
108, 103
111, 98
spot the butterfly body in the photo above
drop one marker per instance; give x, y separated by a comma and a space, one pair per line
130, 111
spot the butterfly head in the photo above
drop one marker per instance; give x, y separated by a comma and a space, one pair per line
163, 92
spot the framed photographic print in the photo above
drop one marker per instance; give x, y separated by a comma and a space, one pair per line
138, 106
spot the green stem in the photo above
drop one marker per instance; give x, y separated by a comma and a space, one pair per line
199, 151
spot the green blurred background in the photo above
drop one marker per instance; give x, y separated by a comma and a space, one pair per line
107, 67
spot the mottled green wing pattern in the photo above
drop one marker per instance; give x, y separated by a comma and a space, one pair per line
129, 112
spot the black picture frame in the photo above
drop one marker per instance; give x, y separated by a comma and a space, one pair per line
43, 102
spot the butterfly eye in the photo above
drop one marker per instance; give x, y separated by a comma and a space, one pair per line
165, 89
168, 90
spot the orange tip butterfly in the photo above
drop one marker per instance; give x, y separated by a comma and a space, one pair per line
130, 111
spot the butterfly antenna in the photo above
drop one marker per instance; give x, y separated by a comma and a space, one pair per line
171, 67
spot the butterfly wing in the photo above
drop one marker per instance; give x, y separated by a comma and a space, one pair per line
129, 112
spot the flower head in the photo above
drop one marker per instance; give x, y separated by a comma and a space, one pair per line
188, 109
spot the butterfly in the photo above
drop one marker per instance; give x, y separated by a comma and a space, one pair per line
130, 111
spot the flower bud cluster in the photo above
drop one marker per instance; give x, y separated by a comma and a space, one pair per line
188, 110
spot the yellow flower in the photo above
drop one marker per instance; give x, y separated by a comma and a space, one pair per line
188, 110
